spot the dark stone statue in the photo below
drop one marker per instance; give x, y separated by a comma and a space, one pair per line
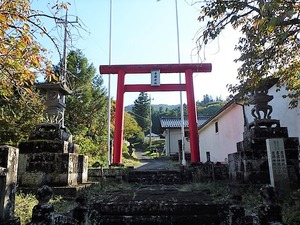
43, 213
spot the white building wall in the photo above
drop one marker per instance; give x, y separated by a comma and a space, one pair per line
230, 131
231, 126
172, 137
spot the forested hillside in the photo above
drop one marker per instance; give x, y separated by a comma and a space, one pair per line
207, 107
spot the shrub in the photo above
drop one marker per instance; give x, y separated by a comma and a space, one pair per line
24, 204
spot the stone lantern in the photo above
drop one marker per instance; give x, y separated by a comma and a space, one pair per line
53, 126
50, 157
251, 162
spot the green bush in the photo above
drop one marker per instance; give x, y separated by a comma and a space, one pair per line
127, 159
24, 204
92, 149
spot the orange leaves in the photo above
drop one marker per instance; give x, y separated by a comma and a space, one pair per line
2, 18
50, 76
20, 56
61, 5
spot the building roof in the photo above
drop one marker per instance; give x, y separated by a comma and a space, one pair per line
175, 122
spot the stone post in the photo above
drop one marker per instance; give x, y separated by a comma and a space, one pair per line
236, 215
8, 179
277, 165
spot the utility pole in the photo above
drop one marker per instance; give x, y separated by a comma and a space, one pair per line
65, 23
150, 137
183, 161
109, 141
63, 74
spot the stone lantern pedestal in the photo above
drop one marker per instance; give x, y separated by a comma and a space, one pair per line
49, 157
251, 162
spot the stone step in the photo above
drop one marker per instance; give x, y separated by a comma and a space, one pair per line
155, 177
157, 205
159, 213
150, 208
158, 220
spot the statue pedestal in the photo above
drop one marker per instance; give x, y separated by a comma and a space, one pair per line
250, 163
53, 162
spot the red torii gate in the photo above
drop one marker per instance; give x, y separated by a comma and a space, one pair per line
122, 70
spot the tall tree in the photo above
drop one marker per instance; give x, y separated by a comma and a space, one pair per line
269, 42
21, 58
132, 131
86, 111
141, 111
18, 116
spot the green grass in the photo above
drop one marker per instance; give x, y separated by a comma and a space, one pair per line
130, 160
218, 192
151, 154
291, 208
24, 204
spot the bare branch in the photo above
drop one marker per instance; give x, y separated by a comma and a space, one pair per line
48, 35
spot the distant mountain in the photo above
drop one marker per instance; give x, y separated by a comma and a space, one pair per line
155, 107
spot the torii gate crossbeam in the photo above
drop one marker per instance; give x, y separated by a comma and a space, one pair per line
122, 70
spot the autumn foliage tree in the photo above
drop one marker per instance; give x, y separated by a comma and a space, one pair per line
22, 58
269, 42
132, 131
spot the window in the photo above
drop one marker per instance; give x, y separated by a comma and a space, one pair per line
216, 127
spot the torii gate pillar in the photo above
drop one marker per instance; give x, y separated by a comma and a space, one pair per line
122, 70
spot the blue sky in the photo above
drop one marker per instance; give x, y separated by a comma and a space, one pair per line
144, 32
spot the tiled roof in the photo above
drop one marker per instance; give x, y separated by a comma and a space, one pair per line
175, 122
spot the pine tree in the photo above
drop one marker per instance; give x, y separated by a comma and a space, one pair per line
86, 111
141, 110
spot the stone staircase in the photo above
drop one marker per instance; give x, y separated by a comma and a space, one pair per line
166, 177
160, 206
158, 199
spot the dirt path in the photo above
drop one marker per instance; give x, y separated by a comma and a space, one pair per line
151, 164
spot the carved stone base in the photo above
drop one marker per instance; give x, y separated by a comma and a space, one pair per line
53, 169
56, 146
